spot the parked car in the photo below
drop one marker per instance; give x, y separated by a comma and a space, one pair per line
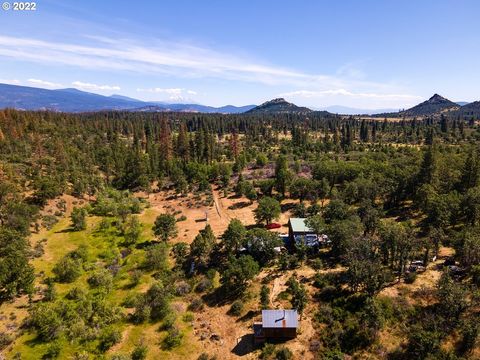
273, 226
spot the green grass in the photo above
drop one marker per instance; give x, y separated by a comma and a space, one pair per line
102, 246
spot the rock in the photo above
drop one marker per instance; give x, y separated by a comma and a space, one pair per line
215, 337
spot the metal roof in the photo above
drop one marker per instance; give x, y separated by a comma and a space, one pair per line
279, 318
298, 225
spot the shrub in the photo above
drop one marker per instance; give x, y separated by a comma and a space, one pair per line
135, 277
188, 317
476, 274
169, 321
67, 269
182, 288
101, 278
267, 351
78, 218
53, 351
50, 292
120, 357
77, 293
283, 354
204, 285
421, 343
140, 352
410, 277
38, 250
316, 264
156, 257
196, 305
109, 337
173, 338
48, 221
46, 320
237, 308
5, 340
131, 300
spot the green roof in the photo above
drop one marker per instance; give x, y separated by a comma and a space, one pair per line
298, 225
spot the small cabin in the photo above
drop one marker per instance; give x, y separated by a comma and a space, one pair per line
276, 325
299, 231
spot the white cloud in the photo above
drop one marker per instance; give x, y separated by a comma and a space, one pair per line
172, 58
171, 91
44, 83
10, 81
173, 94
183, 60
343, 92
94, 87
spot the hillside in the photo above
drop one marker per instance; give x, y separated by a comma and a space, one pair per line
74, 100
278, 106
67, 100
469, 110
435, 105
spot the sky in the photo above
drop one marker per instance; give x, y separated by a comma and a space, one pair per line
367, 54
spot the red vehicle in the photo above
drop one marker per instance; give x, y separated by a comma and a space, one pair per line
273, 226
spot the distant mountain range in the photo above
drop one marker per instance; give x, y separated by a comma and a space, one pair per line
346, 110
278, 106
73, 100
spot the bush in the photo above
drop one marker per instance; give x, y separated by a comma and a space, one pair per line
237, 308
5, 340
67, 269
410, 277
140, 352
283, 354
188, 317
109, 337
421, 343
48, 221
196, 305
173, 338
78, 218
169, 321
77, 293
316, 264
101, 278
135, 277
156, 257
53, 351
131, 300
475, 271
204, 285
182, 288
267, 351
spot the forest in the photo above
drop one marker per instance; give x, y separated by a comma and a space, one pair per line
105, 252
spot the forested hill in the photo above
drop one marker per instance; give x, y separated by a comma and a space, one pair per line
470, 110
279, 106
435, 105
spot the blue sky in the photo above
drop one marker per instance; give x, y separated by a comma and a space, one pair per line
364, 54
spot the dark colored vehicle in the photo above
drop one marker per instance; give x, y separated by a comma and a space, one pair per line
273, 226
